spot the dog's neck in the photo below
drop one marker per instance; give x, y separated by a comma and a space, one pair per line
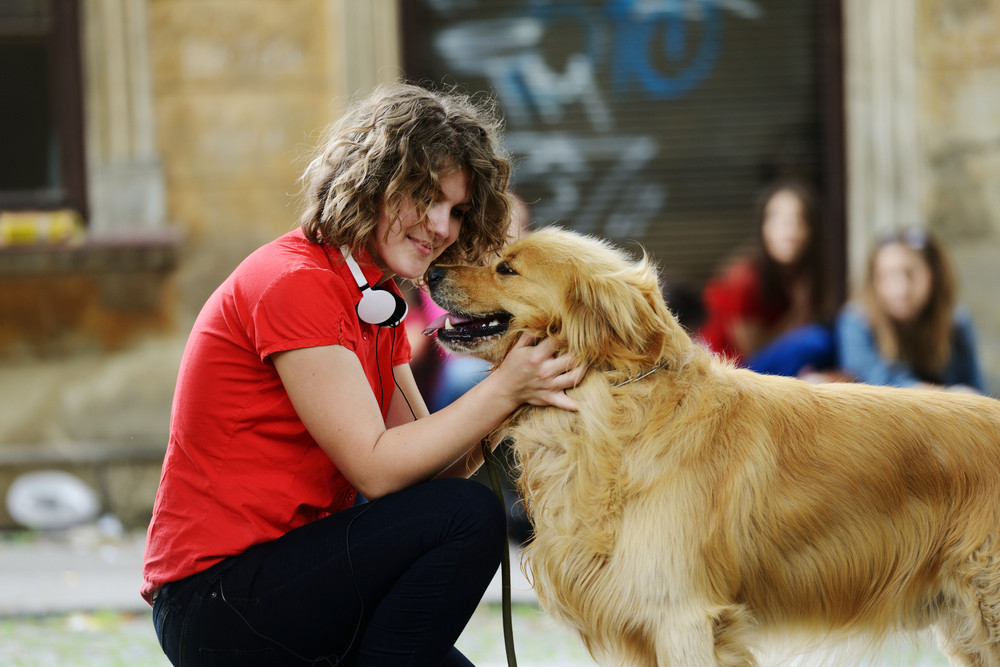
636, 378
618, 377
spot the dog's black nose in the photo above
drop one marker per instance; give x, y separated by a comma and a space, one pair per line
435, 275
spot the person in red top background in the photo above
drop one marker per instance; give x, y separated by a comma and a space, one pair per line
294, 395
770, 310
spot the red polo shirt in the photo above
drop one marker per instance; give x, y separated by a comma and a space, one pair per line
240, 467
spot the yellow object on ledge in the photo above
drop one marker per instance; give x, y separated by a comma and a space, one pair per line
30, 228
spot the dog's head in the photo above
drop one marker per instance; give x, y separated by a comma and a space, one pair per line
604, 308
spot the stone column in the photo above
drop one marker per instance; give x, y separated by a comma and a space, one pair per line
885, 159
125, 176
365, 44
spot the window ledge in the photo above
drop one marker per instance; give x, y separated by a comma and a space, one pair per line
154, 251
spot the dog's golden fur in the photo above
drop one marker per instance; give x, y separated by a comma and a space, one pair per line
680, 515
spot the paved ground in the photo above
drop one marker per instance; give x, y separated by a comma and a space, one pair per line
87, 570
82, 570
71, 600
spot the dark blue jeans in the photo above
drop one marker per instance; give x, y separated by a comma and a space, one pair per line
810, 346
391, 582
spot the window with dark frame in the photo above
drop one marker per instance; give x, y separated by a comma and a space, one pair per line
41, 119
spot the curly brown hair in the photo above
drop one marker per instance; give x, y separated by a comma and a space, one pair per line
394, 146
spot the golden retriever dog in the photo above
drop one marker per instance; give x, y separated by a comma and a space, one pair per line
690, 508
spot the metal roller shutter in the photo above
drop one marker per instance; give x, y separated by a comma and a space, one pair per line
653, 121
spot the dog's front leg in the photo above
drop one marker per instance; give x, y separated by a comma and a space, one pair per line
706, 638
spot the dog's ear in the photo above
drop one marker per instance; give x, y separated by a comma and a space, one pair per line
619, 320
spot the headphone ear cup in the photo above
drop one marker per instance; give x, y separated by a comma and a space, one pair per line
381, 307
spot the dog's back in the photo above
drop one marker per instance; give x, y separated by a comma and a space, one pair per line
764, 503
858, 506
689, 506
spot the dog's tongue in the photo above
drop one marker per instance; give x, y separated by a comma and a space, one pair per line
446, 321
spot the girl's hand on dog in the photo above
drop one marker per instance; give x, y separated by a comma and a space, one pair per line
533, 372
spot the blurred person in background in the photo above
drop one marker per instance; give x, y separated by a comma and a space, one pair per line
770, 309
293, 399
905, 328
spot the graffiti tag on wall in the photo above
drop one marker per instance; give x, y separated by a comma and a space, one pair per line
658, 50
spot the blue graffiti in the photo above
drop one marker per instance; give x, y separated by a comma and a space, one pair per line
660, 49
581, 14
691, 54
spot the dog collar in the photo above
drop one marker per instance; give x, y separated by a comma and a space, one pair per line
659, 366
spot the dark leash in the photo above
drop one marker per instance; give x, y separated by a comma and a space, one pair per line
489, 458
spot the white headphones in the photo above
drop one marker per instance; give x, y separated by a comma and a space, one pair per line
378, 306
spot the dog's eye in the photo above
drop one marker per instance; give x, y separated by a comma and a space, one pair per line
505, 269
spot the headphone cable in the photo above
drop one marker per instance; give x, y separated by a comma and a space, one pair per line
491, 463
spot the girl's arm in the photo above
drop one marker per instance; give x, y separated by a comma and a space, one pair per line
407, 404
330, 392
965, 359
859, 354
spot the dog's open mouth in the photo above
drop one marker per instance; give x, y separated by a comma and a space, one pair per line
457, 328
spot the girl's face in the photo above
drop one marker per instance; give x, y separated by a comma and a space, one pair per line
785, 230
407, 245
903, 281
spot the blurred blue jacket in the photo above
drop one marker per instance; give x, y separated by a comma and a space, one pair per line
859, 354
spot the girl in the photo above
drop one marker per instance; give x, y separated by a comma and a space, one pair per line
766, 310
905, 329
294, 397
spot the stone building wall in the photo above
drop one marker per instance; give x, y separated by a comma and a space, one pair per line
958, 102
242, 91
923, 139
199, 113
